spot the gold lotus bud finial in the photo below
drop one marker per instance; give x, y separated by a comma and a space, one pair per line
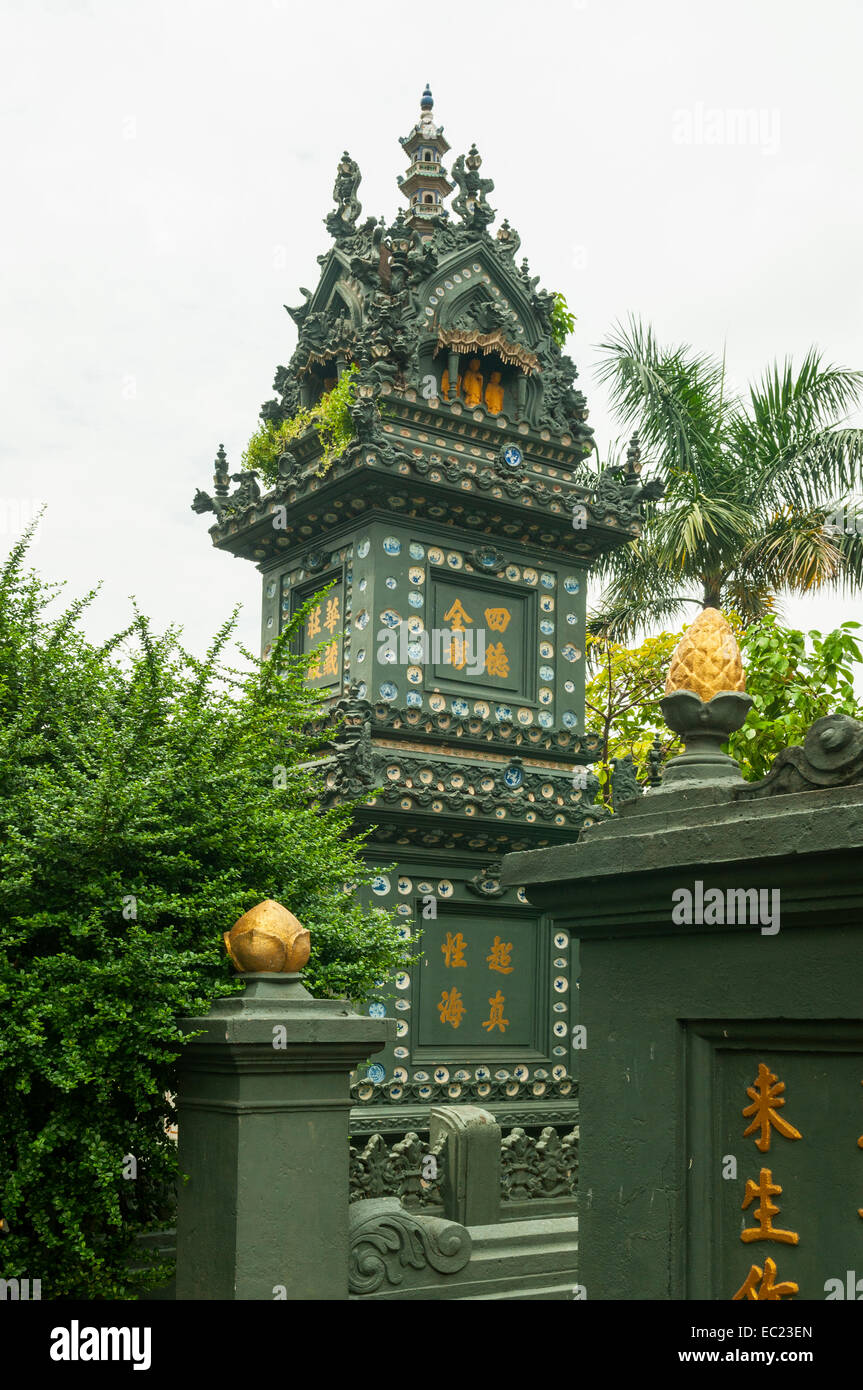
706, 660
268, 938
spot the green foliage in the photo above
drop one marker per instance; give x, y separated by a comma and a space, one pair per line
793, 682
794, 678
331, 419
750, 483
147, 800
562, 321
622, 701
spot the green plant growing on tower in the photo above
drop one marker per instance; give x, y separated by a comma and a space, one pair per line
330, 418
562, 321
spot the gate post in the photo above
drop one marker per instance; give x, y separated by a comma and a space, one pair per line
263, 1105
471, 1187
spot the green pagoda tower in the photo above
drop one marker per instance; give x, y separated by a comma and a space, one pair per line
454, 534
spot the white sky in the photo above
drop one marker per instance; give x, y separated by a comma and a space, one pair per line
166, 167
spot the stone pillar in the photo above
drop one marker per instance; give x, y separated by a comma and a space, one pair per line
452, 369
520, 395
471, 1187
263, 1105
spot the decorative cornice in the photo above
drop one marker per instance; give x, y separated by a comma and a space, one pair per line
427, 1093
435, 783
403, 1120
480, 732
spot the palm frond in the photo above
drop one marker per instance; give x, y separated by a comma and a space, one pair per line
790, 404
671, 395
793, 552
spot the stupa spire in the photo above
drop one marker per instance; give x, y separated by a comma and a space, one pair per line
426, 184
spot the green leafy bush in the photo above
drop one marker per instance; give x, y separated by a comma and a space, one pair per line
793, 682
331, 419
147, 800
793, 677
621, 701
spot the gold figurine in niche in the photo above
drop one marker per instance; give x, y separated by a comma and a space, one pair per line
268, 938
494, 395
472, 382
444, 385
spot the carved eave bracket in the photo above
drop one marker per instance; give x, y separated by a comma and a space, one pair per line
462, 341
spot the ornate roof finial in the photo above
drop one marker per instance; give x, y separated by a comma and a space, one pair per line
508, 238
655, 759
470, 202
633, 458
426, 184
705, 701
222, 472
342, 222
268, 938
706, 660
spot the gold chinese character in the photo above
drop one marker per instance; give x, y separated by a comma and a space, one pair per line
458, 650
500, 957
331, 621
496, 660
496, 1018
451, 1008
453, 949
497, 619
764, 1189
457, 615
315, 667
766, 1288
331, 659
313, 626
765, 1094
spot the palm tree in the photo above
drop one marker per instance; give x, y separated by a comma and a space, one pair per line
750, 484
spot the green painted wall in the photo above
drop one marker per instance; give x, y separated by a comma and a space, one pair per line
678, 1019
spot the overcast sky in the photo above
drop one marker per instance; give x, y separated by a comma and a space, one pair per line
166, 169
